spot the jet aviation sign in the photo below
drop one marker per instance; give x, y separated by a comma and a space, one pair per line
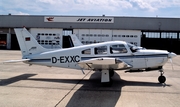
80, 19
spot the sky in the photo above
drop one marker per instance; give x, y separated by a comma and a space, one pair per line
132, 8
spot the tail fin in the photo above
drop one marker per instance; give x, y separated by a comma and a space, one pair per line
75, 40
27, 42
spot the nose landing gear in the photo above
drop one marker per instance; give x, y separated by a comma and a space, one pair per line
161, 78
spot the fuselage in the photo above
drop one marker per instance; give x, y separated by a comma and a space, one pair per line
69, 58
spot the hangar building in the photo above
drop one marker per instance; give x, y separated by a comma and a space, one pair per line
53, 31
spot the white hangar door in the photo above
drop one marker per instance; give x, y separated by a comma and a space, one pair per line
82, 34
48, 38
95, 36
131, 36
106, 35
89, 36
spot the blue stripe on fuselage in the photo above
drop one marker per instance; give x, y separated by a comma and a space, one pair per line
129, 56
40, 60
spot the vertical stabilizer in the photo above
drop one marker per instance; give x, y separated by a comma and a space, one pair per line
75, 40
27, 42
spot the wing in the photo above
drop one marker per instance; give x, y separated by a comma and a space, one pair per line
14, 61
104, 63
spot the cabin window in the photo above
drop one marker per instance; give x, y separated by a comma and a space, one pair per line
100, 50
118, 49
87, 51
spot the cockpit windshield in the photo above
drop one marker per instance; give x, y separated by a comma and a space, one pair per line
131, 45
134, 48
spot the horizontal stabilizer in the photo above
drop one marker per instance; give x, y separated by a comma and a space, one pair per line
14, 61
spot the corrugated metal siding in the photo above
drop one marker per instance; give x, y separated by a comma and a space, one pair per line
124, 23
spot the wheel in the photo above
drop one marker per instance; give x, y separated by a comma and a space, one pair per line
111, 73
162, 79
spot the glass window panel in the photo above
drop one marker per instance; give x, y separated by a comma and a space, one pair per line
118, 49
100, 50
87, 51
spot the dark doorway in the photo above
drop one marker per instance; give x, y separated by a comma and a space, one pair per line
162, 41
67, 42
3, 41
14, 42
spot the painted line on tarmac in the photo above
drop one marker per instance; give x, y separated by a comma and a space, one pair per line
71, 90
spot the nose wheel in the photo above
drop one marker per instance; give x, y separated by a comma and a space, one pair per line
161, 78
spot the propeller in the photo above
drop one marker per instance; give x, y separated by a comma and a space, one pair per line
171, 63
170, 56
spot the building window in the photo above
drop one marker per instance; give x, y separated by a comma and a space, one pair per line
169, 35
115, 36
135, 36
152, 34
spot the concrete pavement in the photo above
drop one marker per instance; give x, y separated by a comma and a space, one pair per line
22, 85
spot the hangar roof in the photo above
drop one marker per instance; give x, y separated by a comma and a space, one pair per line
90, 22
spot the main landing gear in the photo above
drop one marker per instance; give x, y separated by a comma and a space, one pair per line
106, 77
161, 78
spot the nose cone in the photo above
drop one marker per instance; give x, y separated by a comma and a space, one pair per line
171, 55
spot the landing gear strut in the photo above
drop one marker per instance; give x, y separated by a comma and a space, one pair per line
106, 77
161, 78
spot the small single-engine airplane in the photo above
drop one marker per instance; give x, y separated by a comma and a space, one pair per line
105, 57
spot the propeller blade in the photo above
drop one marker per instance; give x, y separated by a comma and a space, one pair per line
171, 63
171, 55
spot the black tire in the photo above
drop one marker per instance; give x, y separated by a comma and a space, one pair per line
162, 79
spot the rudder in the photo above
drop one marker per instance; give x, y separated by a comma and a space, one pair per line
27, 42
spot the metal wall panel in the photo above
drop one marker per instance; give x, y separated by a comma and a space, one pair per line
123, 23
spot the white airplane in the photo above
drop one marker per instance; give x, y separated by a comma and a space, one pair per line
105, 57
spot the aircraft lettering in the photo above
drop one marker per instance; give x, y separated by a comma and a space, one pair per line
66, 59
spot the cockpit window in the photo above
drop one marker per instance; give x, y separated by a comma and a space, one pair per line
117, 49
100, 50
87, 51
